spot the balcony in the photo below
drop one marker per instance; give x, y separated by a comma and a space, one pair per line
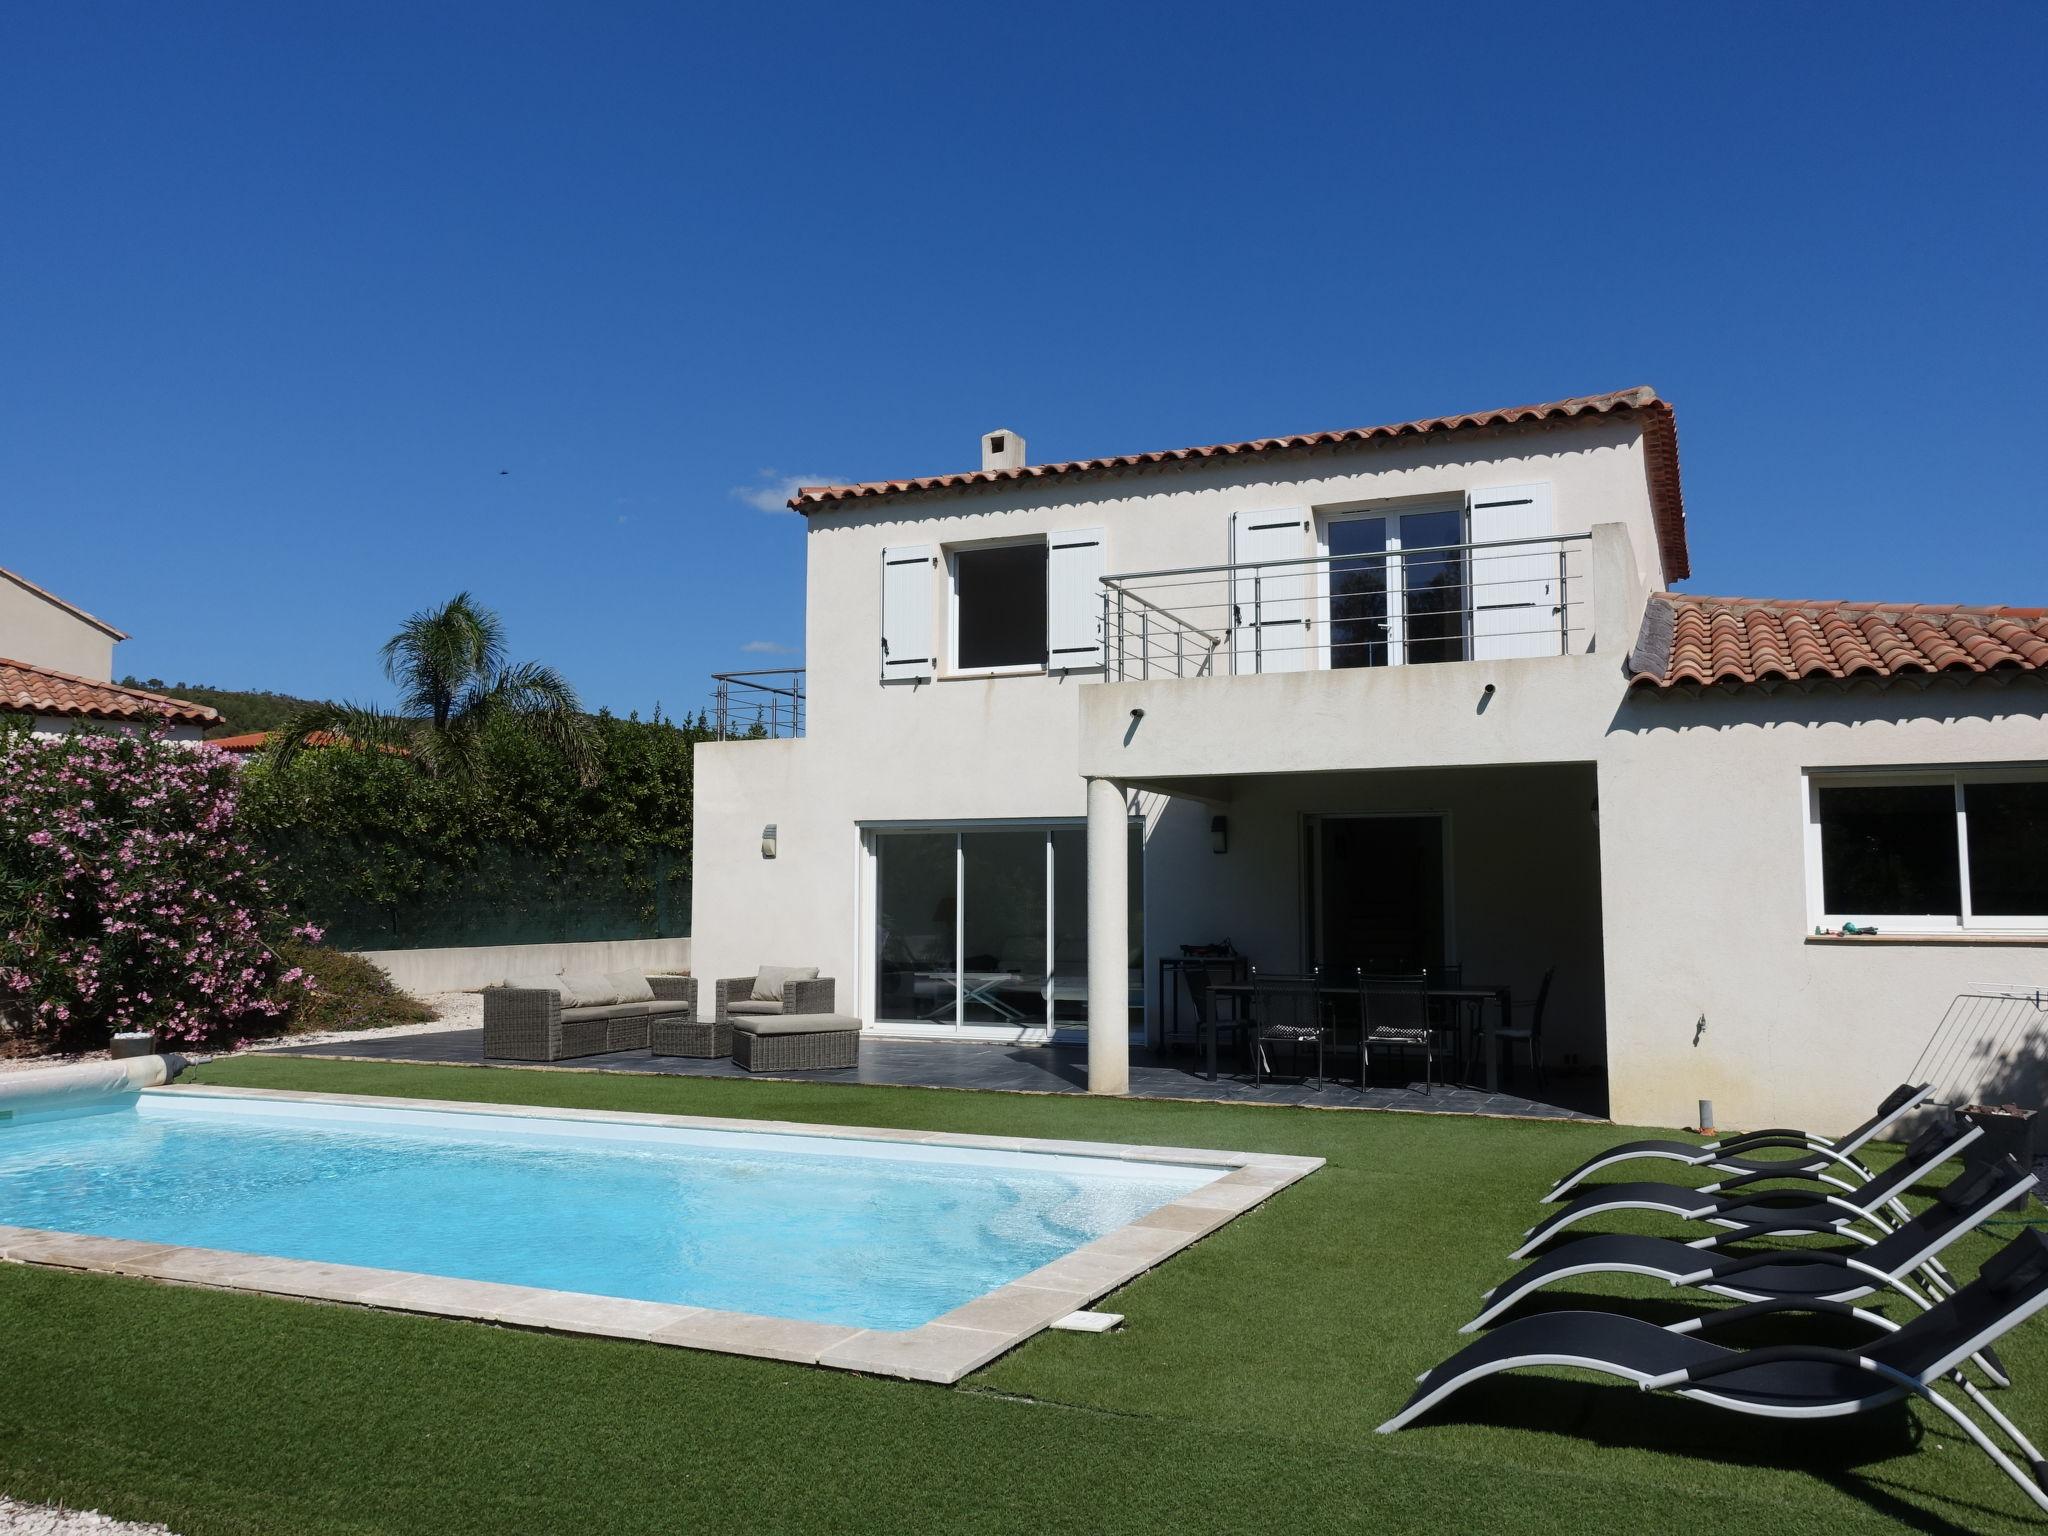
759, 705
1507, 600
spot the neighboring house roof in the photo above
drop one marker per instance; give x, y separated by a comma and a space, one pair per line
33, 690
256, 741
1742, 641
1660, 439
52, 598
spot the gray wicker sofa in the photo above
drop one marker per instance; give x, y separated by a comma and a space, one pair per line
528, 1022
776, 990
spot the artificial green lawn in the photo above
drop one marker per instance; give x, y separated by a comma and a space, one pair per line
1240, 1396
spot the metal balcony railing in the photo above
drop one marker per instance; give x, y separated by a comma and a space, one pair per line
749, 706
1401, 607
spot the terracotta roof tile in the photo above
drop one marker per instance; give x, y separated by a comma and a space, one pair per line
1738, 641
32, 690
256, 741
1660, 447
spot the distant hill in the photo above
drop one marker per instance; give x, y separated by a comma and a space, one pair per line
240, 710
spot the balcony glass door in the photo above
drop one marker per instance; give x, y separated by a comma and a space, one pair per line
1397, 591
983, 931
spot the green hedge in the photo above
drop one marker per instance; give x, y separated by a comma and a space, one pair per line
384, 856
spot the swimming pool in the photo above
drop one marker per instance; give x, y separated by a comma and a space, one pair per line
870, 1235
854, 1230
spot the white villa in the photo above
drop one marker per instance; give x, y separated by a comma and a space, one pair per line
1407, 696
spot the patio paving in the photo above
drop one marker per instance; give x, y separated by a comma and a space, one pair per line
1002, 1069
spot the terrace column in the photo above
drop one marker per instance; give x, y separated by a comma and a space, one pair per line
1109, 941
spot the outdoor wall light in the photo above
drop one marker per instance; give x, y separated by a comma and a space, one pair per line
1219, 833
768, 841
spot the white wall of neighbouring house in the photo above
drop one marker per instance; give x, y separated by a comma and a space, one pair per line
980, 747
67, 725
46, 634
1704, 868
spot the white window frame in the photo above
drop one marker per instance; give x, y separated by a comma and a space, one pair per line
1966, 921
1014, 669
1396, 568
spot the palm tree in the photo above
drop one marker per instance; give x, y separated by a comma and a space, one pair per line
454, 684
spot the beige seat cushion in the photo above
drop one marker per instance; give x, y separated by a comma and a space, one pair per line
800, 1024
629, 987
751, 1005
771, 979
533, 981
608, 1011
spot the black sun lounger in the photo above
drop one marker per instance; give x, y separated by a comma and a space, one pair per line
1823, 1158
1984, 1187
1793, 1381
1732, 1204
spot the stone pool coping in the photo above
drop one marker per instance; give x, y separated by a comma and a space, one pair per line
942, 1351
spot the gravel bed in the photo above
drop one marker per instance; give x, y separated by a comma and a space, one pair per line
18, 1519
455, 1010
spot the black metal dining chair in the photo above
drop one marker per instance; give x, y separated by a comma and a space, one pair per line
1393, 1013
1287, 1010
1211, 1011
1530, 1034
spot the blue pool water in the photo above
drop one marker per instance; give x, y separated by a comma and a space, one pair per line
866, 1234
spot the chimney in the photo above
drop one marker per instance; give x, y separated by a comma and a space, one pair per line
1002, 449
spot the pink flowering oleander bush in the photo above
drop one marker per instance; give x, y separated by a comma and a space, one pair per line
129, 899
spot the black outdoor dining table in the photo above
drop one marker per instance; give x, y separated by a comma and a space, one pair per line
1501, 998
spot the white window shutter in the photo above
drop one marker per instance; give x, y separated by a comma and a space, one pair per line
1270, 615
907, 613
1517, 594
1075, 566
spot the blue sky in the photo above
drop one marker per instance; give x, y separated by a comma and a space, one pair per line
287, 287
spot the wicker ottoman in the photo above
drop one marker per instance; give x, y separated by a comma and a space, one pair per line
679, 1035
795, 1042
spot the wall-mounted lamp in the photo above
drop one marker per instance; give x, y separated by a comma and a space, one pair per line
768, 841
1219, 833
1137, 714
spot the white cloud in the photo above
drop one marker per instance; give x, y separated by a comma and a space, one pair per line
775, 488
769, 647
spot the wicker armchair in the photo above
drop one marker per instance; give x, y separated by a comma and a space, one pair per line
797, 997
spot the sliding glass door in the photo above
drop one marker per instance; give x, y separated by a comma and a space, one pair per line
983, 930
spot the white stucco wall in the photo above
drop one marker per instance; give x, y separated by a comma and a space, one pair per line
1703, 865
35, 630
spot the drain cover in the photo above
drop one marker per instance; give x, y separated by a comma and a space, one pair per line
1089, 1322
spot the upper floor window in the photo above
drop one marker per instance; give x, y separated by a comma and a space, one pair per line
999, 607
1017, 605
1956, 850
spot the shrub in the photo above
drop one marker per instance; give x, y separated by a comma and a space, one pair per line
129, 898
386, 855
348, 992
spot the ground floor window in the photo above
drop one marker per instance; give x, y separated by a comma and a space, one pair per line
983, 929
1956, 849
